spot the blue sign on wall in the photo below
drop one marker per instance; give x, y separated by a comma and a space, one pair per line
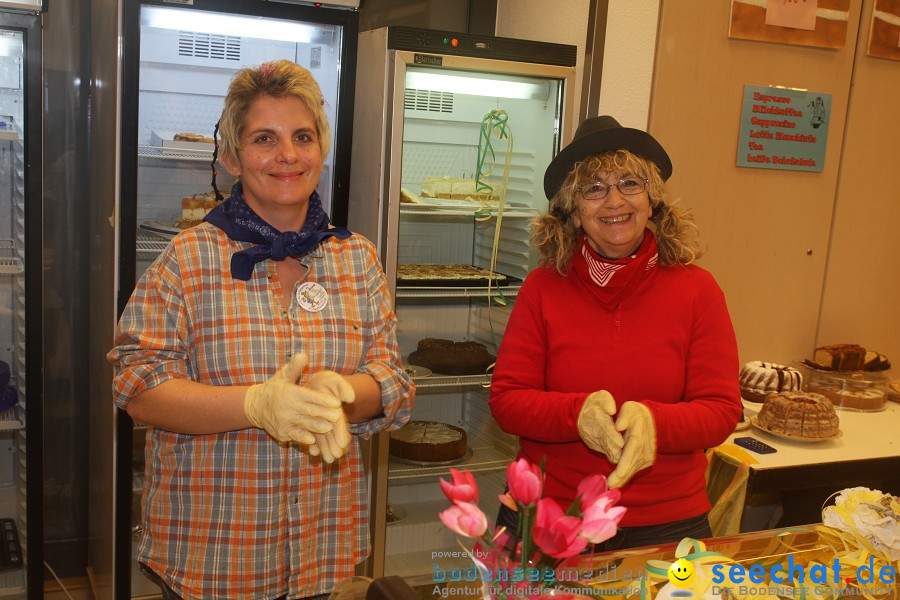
783, 129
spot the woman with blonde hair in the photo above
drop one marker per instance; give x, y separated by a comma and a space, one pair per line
258, 347
619, 357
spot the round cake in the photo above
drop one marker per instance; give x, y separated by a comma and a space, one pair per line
852, 394
452, 358
758, 379
429, 441
804, 415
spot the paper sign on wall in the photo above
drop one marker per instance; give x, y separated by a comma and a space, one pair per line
783, 129
799, 14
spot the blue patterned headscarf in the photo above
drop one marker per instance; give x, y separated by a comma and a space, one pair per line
240, 223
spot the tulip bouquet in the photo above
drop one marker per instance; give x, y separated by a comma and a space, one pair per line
545, 536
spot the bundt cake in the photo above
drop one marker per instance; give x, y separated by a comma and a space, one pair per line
798, 414
758, 379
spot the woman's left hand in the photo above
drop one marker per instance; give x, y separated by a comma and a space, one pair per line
331, 445
636, 422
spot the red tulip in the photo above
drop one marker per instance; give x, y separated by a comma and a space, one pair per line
555, 533
524, 481
463, 487
465, 519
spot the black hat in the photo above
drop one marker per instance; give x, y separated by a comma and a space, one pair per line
597, 135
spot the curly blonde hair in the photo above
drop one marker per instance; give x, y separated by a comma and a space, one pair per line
279, 79
554, 234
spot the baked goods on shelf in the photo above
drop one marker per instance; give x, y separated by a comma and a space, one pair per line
798, 414
758, 379
193, 137
195, 207
412, 273
850, 391
429, 441
451, 358
452, 188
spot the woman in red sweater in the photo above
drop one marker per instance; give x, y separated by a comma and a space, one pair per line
619, 357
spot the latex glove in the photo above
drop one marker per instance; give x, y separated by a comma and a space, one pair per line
290, 412
636, 421
330, 446
596, 428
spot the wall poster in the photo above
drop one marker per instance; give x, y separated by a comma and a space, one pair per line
820, 23
884, 34
783, 128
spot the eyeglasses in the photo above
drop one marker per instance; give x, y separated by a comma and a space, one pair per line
598, 190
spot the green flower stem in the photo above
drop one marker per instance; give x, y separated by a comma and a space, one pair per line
526, 525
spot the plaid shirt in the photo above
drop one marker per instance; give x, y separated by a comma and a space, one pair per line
236, 514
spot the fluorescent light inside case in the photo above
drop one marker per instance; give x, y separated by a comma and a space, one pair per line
226, 24
475, 86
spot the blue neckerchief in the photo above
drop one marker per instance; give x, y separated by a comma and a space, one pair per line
240, 223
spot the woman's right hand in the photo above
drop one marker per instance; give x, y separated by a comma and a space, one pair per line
290, 412
596, 427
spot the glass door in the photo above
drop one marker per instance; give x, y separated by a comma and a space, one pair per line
184, 58
474, 148
20, 274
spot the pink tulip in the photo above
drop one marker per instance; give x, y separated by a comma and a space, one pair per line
600, 521
555, 533
524, 481
465, 519
463, 487
594, 487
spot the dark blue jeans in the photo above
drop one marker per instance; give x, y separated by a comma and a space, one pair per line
631, 537
169, 594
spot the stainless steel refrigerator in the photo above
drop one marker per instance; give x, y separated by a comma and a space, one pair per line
21, 534
452, 135
179, 58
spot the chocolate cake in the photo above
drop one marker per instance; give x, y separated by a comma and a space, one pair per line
429, 441
452, 358
758, 379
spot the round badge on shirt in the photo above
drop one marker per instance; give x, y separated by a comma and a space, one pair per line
311, 296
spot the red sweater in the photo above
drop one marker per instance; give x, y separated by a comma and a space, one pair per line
669, 344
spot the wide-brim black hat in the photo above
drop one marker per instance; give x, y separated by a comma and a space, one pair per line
597, 135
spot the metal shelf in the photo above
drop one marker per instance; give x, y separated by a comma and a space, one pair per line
464, 208
405, 292
486, 458
10, 264
149, 245
449, 381
165, 156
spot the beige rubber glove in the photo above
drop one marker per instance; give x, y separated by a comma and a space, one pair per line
636, 421
331, 445
290, 412
596, 428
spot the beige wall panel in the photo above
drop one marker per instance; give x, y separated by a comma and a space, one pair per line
766, 231
861, 303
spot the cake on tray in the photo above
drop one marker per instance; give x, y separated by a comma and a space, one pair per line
798, 414
429, 441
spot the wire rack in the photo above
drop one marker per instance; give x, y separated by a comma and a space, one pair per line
10, 264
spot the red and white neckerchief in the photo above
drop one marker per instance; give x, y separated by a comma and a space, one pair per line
612, 280
601, 271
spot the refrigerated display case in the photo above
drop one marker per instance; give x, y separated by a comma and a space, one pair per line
453, 133
20, 298
178, 61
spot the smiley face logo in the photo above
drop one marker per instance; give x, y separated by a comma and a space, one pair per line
682, 573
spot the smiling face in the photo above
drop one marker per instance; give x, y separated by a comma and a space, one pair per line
279, 161
682, 573
614, 225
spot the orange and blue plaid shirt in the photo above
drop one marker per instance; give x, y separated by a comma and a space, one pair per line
236, 514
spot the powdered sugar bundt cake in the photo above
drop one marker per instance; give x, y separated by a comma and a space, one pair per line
798, 414
758, 379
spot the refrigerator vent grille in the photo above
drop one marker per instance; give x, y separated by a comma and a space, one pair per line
428, 100
206, 45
